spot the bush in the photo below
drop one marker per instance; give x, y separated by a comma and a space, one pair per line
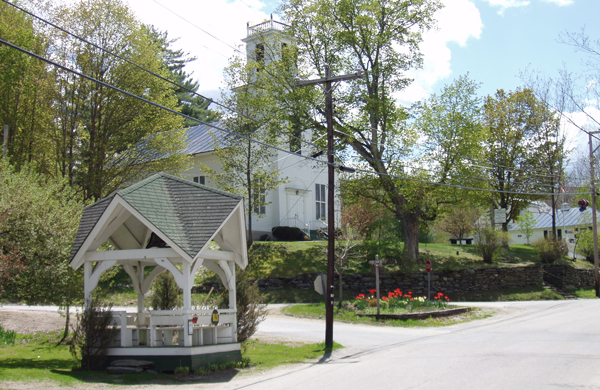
585, 244
550, 250
288, 233
251, 307
165, 292
93, 336
7, 337
489, 240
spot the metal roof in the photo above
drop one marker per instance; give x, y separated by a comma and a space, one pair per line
203, 138
571, 217
187, 213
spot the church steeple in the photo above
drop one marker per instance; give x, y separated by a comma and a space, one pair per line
266, 41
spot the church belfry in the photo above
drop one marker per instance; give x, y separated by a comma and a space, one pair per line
266, 41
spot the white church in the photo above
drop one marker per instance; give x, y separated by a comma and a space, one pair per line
302, 201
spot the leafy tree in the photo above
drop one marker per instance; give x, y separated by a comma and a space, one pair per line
25, 92
39, 219
380, 38
516, 123
526, 224
190, 103
459, 222
361, 215
103, 137
451, 125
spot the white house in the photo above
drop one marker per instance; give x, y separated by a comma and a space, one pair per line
302, 202
568, 221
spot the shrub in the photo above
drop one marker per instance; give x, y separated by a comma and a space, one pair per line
7, 337
489, 240
92, 336
585, 244
165, 292
251, 308
182, 370
288, 233
550, 250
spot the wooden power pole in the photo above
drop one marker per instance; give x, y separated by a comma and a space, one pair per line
328, 81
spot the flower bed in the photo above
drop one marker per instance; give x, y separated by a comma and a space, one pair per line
398, 305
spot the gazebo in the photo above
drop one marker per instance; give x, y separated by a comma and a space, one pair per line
167, 223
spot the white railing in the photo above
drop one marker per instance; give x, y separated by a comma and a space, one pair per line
157, 328
266, 26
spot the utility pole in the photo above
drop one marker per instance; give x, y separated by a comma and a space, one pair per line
328, 81
594, 222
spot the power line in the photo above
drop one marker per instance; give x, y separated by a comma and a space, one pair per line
199, 28
149, 71
232, 133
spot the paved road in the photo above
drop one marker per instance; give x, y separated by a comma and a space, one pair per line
528, 345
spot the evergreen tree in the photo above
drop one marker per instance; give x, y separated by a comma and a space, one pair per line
175, 60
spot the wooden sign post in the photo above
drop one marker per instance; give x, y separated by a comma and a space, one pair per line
377, 263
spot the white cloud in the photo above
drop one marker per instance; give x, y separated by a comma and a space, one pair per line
560, 3
224, 25
458, 22
572, 123
226, 20
505, 4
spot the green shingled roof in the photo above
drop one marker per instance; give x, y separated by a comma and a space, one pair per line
187, 213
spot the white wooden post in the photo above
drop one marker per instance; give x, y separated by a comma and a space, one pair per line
187, 303
233, 304
87, 284
141, 320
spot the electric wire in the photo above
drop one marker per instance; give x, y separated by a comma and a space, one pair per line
231, 133
147, 70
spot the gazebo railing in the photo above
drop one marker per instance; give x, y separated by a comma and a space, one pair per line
158, 328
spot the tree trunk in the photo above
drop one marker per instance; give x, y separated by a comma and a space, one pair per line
68, 319
410, 220
249, 240
341, 283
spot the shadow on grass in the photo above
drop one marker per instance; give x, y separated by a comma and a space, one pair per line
145, 378
37, 364
514, 294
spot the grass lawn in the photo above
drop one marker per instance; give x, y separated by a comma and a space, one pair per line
266, 356
587, 293
37, 358
520, 294
317, 310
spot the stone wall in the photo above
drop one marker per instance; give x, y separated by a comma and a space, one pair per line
569, 278
448, 282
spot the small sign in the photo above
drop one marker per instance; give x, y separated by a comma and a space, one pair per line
320, 284
215, 317
499, 215
428, 266
190, 327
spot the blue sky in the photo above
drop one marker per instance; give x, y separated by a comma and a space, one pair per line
493, 40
